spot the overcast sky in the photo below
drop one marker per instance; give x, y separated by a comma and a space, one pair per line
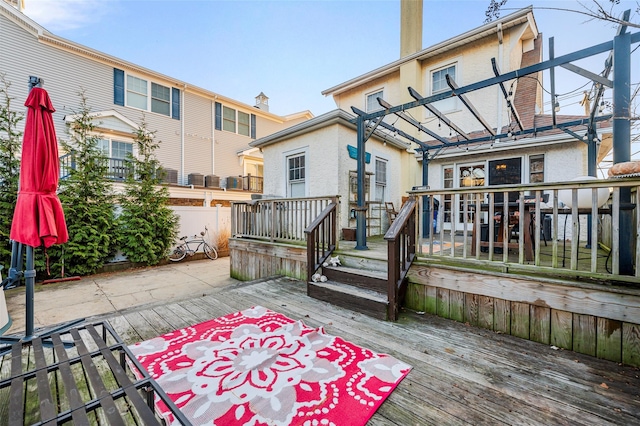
293, 50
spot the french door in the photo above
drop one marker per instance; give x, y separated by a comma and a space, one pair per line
465, 176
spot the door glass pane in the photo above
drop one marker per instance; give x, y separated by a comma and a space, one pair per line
448, 183
470, 176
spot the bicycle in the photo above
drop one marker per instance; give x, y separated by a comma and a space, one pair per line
183, 249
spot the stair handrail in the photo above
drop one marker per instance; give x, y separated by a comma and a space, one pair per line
321, 238
401, 251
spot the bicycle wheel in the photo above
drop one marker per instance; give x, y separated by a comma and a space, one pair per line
178, 254
210, 252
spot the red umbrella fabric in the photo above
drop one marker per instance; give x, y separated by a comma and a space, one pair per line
38, 218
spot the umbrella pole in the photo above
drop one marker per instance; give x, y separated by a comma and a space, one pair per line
29, 281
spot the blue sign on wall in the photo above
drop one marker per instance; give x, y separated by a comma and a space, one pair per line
353, 153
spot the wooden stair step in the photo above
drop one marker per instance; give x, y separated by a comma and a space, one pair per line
368, 302
363, 278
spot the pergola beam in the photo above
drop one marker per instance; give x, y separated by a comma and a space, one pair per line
393, 129
580, 122
541, 66
376, 122
588, 74
413, 122
417, 96
463, 98
514, 112
574, 134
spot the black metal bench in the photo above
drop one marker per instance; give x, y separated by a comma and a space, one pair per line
80, 380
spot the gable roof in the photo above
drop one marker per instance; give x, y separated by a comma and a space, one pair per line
337, 116
517, 18
109, 120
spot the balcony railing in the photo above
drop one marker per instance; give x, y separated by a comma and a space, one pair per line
252, 183
533, 231
118, 168
282, 220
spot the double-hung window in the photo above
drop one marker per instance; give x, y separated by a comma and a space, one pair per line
439, 85
160, 99
234, 121
136, 92
243, 123
372, 101
296, 186
229, 119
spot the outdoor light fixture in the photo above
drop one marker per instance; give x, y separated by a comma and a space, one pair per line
556, 105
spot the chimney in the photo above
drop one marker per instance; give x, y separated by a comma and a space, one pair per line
262, 102
410, 27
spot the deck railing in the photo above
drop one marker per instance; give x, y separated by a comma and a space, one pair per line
571, 245
401, 243
277, 220
321, 239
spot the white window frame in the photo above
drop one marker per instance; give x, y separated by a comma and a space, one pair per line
239, 125
226, 120
148, 95
236, 121
381, 184
111, 140
376, 106
305, 180
444, 105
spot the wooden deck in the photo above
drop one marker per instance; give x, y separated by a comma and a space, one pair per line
461, 374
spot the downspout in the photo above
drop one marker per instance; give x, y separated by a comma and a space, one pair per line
184, 89
498, 94
213, 135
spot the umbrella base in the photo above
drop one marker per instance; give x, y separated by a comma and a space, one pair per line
29, 279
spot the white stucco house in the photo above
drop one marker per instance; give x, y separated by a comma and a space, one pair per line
317, 158
514, 42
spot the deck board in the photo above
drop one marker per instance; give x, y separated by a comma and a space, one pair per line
461, 374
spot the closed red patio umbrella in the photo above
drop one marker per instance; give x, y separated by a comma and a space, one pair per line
38, 217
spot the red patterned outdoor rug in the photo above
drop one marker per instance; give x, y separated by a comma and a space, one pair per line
258, 367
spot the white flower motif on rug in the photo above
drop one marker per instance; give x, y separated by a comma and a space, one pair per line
257, 374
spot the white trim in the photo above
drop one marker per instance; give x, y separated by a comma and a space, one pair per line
149, 96
303, 151
103, 114
366, 100
456, 63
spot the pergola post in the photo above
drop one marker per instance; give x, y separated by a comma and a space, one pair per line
622, 142
361, 206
